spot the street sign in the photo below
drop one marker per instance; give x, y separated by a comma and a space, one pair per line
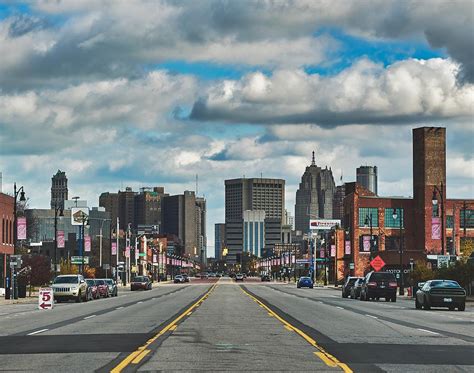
351, 266
142, 254
78, 260
46, 299
443, 261
302, 261
106, 266
377, 263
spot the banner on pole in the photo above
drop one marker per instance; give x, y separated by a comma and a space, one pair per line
21, 228
87, 243
114, 248
333, 250
60, 239
435, 228
347, 247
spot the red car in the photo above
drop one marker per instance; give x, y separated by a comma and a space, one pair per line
92, 288
102, 288
140, 282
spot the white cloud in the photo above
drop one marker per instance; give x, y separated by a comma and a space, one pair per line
406, 91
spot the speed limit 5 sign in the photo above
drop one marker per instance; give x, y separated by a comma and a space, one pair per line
46, 299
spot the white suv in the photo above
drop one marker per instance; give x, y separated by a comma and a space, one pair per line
68, 287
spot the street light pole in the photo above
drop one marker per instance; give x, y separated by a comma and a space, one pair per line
368, 221
21, 192
56, 210
395, 215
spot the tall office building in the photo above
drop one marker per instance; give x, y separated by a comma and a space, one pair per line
255, 194
126, 200
59, 191
338, 203
219, 240
314, 197
148, 206
110, 202
184, 215
367, 177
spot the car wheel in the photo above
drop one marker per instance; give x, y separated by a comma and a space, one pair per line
394, 299
451, 308
417, 304
387, 299
462, 307
79, 298
426, 306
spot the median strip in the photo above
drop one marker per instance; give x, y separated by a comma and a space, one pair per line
326, 357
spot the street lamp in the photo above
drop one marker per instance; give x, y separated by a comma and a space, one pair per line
395, 216
22, 202
435, 203
368, 222
57, 210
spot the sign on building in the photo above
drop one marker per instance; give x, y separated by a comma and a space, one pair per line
323, 224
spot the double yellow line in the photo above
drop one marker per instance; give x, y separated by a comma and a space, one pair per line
136, 356
325, 356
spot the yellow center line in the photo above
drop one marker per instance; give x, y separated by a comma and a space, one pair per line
141, 351
328, 359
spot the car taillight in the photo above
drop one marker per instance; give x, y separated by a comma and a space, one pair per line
392, 284
372, 284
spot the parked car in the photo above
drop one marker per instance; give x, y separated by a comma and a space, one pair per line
186, 277
140, 282
379, 285
355, 290
304, 282
347, 286
94, 292
67, 287
239, 277
102, 288
178, 279
113, 290
441, 293
265, 278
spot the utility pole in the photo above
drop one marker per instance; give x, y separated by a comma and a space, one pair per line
118, 250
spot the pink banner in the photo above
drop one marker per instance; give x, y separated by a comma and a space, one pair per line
114, 248
322, 254
21, 228
333, 250
347, 247
155, 260
87, 243
366, 243
435, 228
60, 239
127, 252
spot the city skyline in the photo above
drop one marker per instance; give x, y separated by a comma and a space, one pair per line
252, 95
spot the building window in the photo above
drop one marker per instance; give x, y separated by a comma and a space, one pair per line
390, 222
467, 219
449, 221
369, 213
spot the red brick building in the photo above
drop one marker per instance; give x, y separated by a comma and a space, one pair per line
422, 221
6, 234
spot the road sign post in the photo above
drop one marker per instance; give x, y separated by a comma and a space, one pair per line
46, 299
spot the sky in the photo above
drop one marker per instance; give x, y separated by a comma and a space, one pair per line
147, 93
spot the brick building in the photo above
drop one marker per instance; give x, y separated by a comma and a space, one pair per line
6, 234
422, 221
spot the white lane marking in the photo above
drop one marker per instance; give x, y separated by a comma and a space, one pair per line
340, 308
139, 302
119, 308
89, 317
38, 331
374, 317
427, 331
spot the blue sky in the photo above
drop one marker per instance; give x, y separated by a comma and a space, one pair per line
141, 94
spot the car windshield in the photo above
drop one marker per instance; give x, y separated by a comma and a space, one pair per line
305, 279
444, 284
377, 276
90, 282
139, 279
66, 280
109, 281
351, 281
100, 282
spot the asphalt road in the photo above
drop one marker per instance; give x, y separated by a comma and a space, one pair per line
226, 326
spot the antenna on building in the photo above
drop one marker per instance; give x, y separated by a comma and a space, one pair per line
313, 162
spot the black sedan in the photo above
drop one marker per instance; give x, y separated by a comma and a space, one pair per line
441, 293
140, 282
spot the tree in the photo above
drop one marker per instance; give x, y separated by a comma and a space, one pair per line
67, 268
36, 271
421, 272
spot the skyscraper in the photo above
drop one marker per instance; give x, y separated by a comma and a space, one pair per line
255, 194
314, 197
148, 206
367, 177
338, 202
219, 240
201, 237
59, 191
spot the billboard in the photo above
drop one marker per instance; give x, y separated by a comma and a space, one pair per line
323, 224
79, 215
